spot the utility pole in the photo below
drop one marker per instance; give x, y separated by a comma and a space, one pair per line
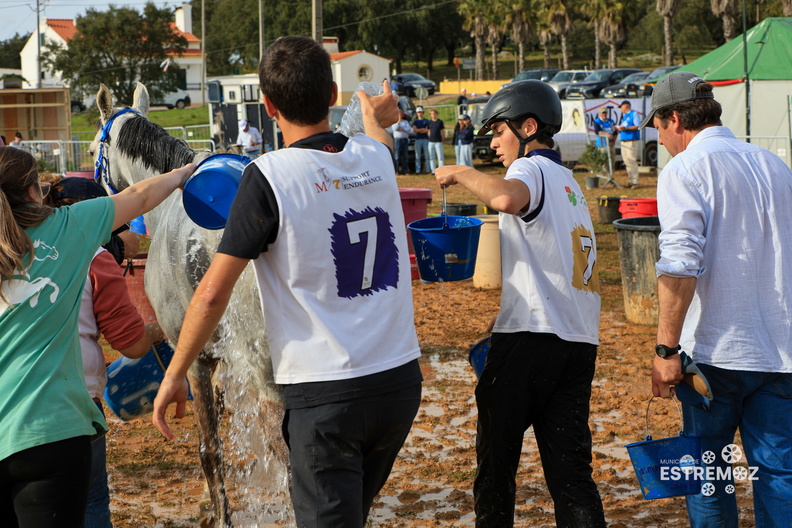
38, 43
316, 26
261, 29
203, 52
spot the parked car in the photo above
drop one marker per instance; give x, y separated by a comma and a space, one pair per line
561, 80
591, 87
406, 83
628, 87
542, 74
570, 145
648, 85
77, 106
177, 99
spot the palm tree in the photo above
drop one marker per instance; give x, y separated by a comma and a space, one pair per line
726, 10
545, 39
668, 10
521, 28
596, 11
495, 30
613, 31
787, 6
560, 24
475, 15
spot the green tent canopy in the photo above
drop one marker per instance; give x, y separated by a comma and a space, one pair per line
769, 55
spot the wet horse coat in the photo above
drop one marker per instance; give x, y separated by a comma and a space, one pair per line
178, 257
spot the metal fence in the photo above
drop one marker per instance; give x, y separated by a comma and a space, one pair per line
778, 145
72, 156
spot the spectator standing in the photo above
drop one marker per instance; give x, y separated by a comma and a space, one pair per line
629, 139
249, 139
541, 361
17, 142
723, 288
463, 141
436, 154
340, 320
462, 101
107, 310
401, 135
421, 128
605, 127
47, 417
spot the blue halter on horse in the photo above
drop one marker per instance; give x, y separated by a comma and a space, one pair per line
102, 163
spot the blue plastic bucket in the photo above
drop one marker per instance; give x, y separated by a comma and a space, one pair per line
138, 225
446, 252
478, 356
667, 467
209, 192
132, 384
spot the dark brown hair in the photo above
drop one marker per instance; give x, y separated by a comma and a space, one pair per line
295, 75
18, 173
695, 114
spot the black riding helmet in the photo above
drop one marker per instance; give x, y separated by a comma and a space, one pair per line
531, 98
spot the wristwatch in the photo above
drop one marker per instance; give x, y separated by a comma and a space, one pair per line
666, 352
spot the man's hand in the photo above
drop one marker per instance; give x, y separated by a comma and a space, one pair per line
666, 372
446, 175
384, 107
171, 390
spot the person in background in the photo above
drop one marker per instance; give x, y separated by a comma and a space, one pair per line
47, 417
106, 310
606, 128
541, 361
401, 135
436, 154
629, 139
463, 141
421, 128
334, 280
249, 139
17, 142
462, 101
723, 289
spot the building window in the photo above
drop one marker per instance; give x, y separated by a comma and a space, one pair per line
365, 73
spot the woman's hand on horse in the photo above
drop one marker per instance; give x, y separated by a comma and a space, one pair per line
171, 390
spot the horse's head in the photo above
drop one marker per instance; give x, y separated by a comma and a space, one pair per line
128, 147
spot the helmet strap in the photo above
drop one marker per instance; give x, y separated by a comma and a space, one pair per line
523, 140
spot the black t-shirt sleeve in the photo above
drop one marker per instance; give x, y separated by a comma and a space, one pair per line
253, 220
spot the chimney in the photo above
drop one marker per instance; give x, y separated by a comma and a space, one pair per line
183, 17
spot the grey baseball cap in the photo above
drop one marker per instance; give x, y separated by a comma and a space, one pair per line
676, 87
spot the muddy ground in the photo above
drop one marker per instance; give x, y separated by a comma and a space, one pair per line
155, 483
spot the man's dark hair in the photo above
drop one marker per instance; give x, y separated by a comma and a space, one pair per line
695, 114
295, 75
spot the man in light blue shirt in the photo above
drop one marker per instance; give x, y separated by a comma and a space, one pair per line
629, 137
724, 293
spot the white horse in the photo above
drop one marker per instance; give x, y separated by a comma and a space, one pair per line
234, 370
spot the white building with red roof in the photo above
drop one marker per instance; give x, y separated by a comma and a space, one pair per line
60, 31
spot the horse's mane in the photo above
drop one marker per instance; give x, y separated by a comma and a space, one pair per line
149, 143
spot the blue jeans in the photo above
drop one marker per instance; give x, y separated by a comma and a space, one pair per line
97, 513
436, 155
464, 154
760, 405
401, 156
421, 153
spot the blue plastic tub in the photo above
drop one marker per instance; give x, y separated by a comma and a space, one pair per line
211, 189
132, 384
446, 252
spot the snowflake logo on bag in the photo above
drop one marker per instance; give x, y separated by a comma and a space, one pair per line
707, 489
730, 489
740, 473
731, 453
708, 457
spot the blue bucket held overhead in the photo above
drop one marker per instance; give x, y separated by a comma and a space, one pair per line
667, 467
209, 192
132, 384
446, 247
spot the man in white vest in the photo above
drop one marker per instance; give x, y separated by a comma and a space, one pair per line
322, 220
